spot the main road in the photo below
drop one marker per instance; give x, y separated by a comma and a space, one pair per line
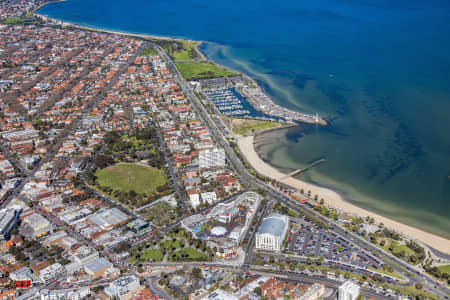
285, 275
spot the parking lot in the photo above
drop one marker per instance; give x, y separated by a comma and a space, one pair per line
307, 239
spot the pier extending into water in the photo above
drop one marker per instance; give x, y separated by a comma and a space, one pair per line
296, 172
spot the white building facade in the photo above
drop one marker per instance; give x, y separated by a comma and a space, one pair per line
52, 273
316, 291
121, 286
272, 232
348, 291
211, 158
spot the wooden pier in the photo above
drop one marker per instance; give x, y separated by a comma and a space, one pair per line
296, 172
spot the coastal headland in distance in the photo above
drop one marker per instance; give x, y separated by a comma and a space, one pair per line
429, 239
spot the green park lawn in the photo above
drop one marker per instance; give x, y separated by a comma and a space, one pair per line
189, 254
180, 234
247, 126
444, 269
199, 70
187, 53
12, 20
171, 244
152, 254
397, 247
127, 177
149, 51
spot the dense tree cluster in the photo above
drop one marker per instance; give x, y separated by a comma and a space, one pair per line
391, 234
130, 147
436, 272
33, 249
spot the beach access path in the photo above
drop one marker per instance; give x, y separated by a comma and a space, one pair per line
333, 199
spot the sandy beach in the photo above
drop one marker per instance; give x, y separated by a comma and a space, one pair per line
333, 199
135, 35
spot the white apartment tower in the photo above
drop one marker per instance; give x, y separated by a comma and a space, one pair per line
211, 158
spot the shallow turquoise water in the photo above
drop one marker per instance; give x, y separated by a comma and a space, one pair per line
379, 68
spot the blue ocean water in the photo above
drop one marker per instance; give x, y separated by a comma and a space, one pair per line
379, 68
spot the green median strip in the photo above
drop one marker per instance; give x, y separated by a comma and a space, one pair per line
411, 291
398, 266
392, 274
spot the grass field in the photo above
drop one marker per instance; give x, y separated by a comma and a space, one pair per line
171, 244
187, 53
197, 70
149, 51
243, 127
411, 291
396, 247
445, 269
12, 20
180, 234
153, 254
127, 177
189, 254
393, 274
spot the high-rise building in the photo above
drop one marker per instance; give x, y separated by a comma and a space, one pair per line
211, 158
8, 221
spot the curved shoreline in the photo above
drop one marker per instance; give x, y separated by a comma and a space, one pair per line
246, 146
333, 199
